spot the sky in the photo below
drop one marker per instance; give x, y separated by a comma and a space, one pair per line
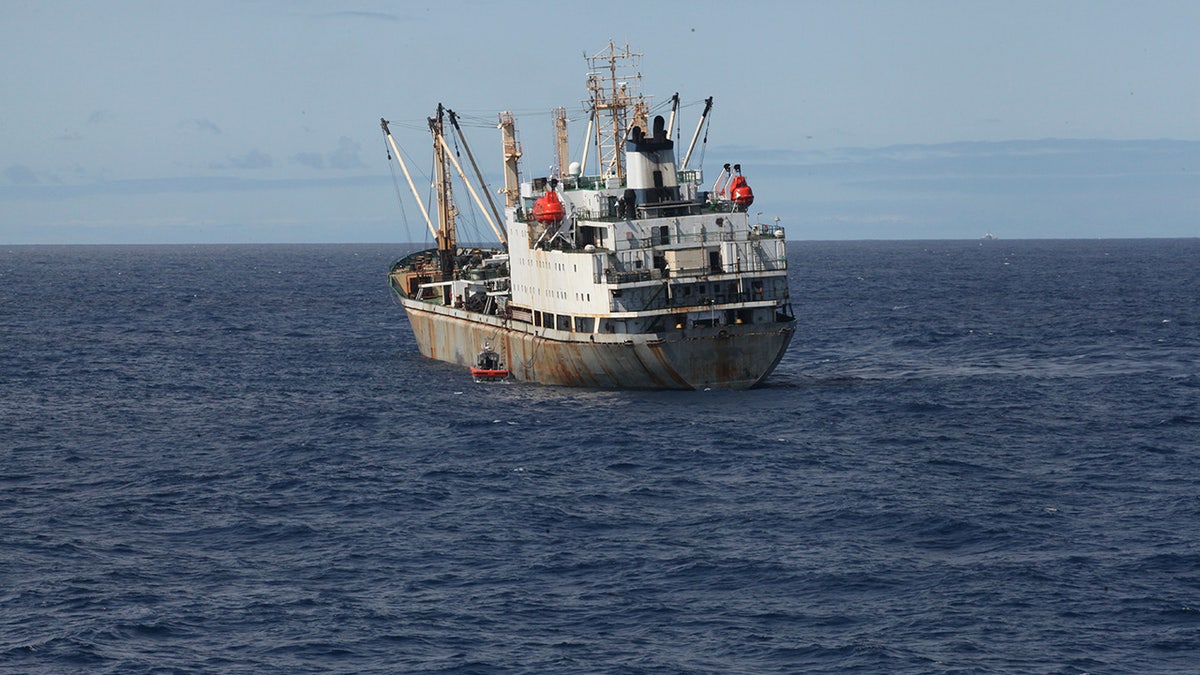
257, 121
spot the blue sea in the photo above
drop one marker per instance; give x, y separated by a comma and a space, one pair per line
976, 457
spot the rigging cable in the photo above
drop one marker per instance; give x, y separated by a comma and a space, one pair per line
399, 194
704, 143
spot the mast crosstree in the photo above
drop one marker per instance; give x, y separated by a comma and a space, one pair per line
614, 83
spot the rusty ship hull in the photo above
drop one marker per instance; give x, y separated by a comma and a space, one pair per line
727, 357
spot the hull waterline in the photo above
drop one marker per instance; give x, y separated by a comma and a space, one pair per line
733, 357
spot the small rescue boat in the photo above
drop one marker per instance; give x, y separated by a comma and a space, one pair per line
488, 366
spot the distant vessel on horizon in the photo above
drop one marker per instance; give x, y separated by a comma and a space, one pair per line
987, 236
630, 277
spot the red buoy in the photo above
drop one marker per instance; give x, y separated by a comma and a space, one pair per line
548, 208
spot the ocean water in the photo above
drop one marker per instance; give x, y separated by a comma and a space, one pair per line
976, 457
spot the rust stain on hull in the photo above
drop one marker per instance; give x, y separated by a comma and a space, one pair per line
733, 357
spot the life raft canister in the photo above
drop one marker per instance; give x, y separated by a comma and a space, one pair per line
740, 192
548, 208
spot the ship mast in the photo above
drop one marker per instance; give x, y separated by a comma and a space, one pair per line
563, 155
699, 125
446, 243
491, 205
512, 157
407, 176
614, 84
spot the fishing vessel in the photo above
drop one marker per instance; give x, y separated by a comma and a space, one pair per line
632, 275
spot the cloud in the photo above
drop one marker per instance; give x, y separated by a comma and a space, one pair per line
313, 160
1028, 188
200, 127
345, 156
371, 16
41, 191
953, 166
19, 174
255, 159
